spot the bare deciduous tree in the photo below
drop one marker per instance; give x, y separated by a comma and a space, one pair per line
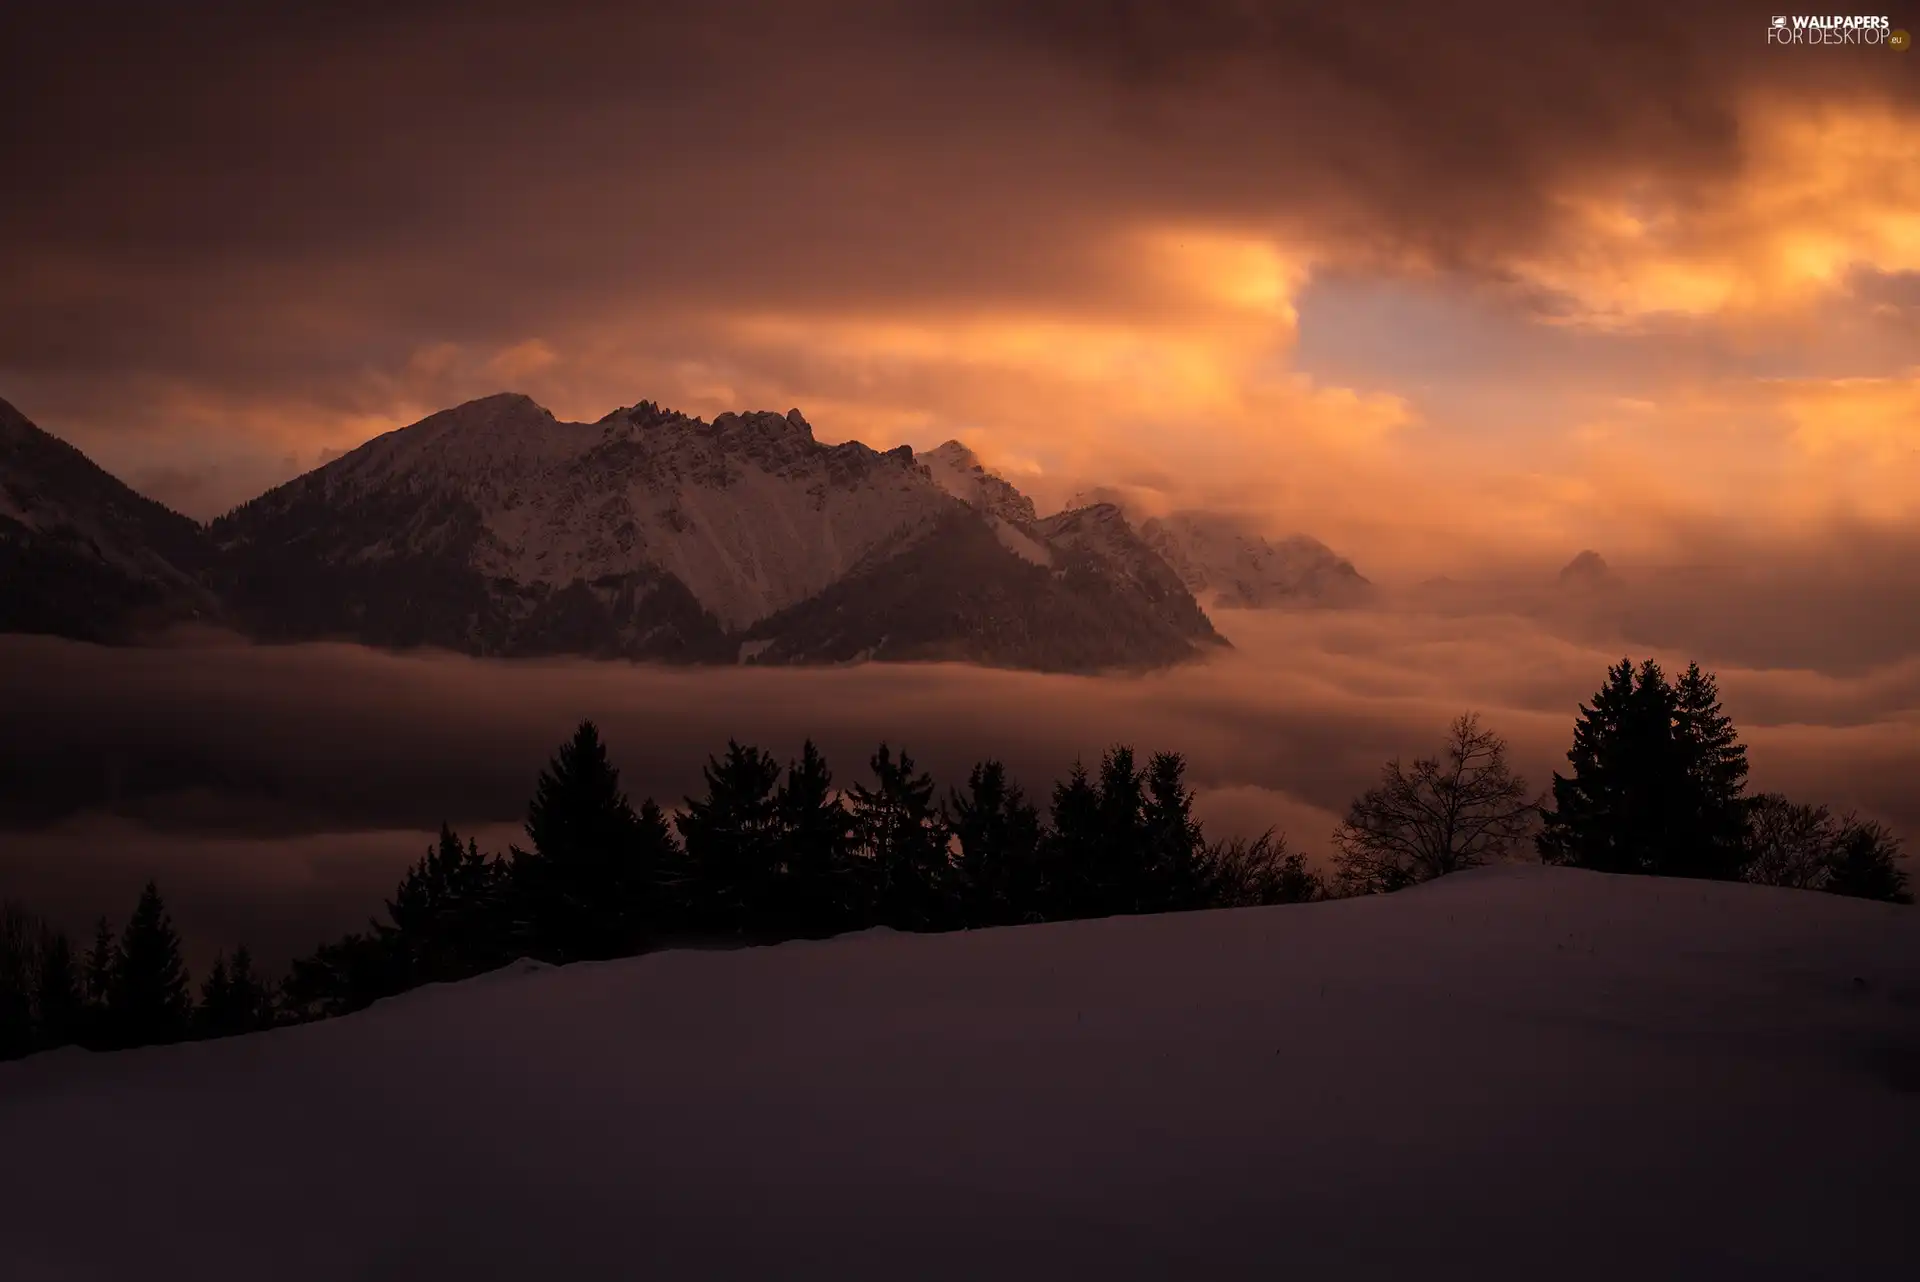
1443, 814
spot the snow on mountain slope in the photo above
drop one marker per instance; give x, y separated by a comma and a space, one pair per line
1229, 565
748, 512
495, 529
83, 555
1516, 1074
958, 471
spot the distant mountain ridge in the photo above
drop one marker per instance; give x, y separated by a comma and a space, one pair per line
83, 555
494, 528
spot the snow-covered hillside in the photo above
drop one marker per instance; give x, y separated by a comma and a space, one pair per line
1510, 1074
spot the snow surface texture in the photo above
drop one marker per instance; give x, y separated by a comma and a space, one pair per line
1513, 1073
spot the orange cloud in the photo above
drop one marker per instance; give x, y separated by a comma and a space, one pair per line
1820, 191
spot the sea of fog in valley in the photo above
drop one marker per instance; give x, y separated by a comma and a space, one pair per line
278, 792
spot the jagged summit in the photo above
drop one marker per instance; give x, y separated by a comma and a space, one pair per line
495, 528
958, 470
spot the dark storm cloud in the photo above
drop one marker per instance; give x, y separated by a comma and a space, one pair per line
273, 198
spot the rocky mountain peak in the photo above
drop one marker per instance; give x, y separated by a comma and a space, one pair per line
958, 470
1588, 569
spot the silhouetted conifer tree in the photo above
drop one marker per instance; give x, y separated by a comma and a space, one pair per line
99, 974
450, 915
1174, 880
339, 978
1865, 863
1118, 873
1658, 782
904, 839
232, 999
586, 888
19, 943
820, 890
1712, 810
996, 876
249, 996
148, 999
1070, 851
214, 1017
59, 1008
733, 844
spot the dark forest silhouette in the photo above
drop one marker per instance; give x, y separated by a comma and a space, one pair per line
772, 852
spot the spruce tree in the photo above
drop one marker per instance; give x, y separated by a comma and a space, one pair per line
996, 876
99, 974
148, 999
59, 1008
1070, 851
733, 845
1119, 870
904, 839
1174, 879
585, 889
19, 942
1865, 863
1710, 837
214, 1018
1658, 781
819, 890
248, 996
448, 914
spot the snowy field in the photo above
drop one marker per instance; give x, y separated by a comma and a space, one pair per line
1514, 1073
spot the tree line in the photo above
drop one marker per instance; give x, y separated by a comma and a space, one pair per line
1658, 786
770, 852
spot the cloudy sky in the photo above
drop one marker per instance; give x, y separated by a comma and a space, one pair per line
1452, 287
1437, 283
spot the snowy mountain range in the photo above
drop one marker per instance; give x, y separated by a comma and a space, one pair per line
494, 528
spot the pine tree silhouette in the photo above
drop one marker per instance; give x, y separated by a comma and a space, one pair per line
1609, 814
99, 974
19, 944
59, 1009
996, 876
1711, 836
820, 892
214, 1018
97, 986
733, 844
903, 837
1658, 781
586, 888
1071, 852
248, 996
1119, 871
1174, 873
449, 916
148, 1000
1865, 863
